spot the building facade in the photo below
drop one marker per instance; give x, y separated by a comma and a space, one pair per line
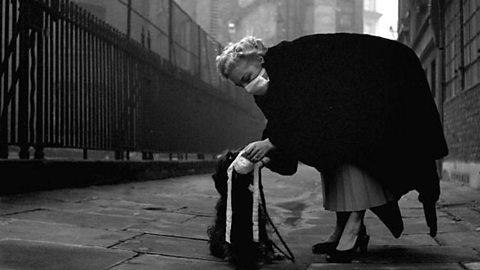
370, 17
274, 20
445, 34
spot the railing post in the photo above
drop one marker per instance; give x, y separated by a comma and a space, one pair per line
170, 31
147, 155
119, 155
129, 18
39, 152
3, 148
149, 41
23, 80
39, 125
199, 51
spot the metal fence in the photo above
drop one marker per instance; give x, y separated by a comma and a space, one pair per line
69, 79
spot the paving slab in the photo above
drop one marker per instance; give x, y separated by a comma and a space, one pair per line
455, 194
413, 226
416, 226
303, 255
168, 201
415, 212
149, 262
102, 203
468, 215
152, 213
43, 203
472, 265
208, 211
192, 228
411, 239
169, 246
428, 266
419, 254
30, 255
68, 194
459, 239
195, 206
60, 233
8, 209
89, 220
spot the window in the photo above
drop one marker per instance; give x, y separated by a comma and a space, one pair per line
452, 51
369, 28
369, 5
346, 21
345, 15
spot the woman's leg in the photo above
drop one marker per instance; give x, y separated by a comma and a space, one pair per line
342, 218
332, 241
352, 230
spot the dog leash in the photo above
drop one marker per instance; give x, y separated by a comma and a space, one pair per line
262, 196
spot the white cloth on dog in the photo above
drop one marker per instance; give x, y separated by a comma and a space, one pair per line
242, 165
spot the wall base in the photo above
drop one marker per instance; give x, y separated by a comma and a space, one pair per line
20, 176
465, 172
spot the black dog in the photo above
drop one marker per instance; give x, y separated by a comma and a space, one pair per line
242, 252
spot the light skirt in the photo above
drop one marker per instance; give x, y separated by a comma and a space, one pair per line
350, 189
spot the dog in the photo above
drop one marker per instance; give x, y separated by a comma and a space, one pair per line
242, 251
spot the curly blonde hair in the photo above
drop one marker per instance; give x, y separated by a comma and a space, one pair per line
247, 48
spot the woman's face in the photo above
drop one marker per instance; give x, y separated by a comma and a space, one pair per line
244, 72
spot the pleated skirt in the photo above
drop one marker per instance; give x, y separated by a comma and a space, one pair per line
350, 189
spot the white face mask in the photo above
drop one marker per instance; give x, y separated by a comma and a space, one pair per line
257, 85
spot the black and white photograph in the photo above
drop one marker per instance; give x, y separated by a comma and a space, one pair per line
239, 134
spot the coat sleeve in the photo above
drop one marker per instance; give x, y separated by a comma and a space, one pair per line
282, 160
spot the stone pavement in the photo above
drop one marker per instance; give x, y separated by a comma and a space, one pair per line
162, 225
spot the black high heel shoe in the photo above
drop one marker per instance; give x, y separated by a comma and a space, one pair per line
324, 247
329, 247
346, 256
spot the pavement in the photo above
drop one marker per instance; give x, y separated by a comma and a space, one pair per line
162, 225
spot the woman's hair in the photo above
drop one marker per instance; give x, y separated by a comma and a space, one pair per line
247, 48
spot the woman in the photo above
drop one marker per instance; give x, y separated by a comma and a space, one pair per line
352, 106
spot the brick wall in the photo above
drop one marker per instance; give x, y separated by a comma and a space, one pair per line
462, 125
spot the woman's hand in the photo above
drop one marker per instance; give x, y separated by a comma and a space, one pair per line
256, 151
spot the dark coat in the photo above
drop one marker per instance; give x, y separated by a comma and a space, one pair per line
352, 98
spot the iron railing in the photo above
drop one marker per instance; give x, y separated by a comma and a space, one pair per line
71, 80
